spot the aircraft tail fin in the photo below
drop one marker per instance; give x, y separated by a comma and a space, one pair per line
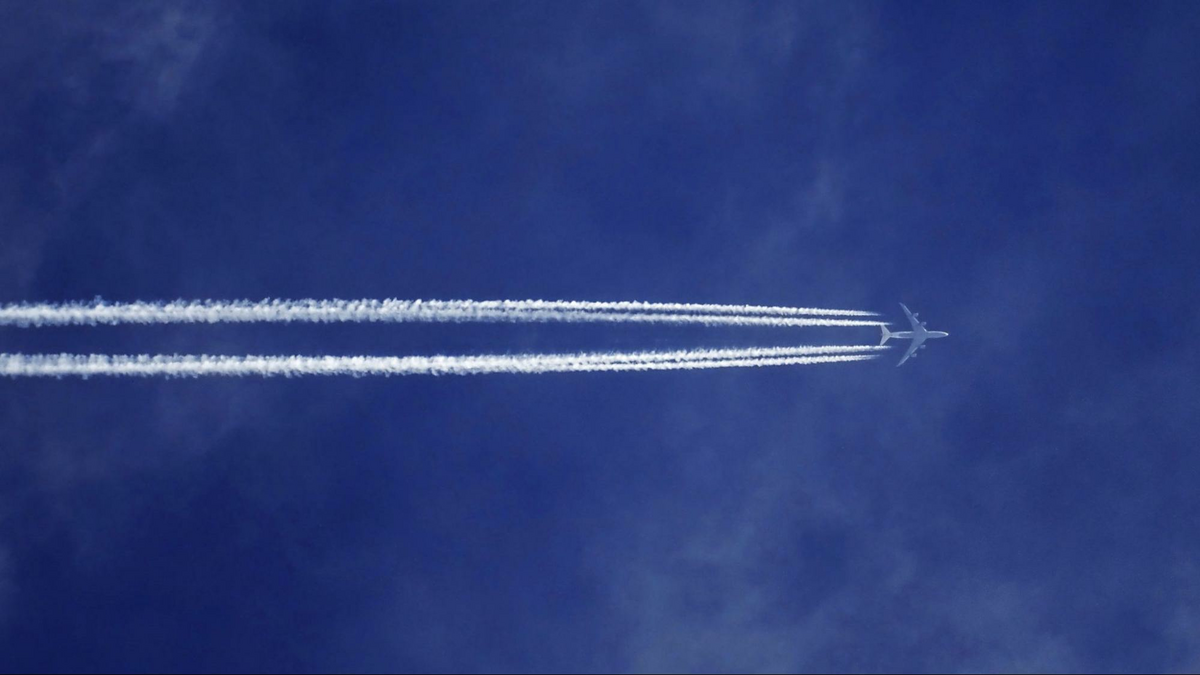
884, 334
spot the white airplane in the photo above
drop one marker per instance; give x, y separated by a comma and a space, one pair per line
918, 335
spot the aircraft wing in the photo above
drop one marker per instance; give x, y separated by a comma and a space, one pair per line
916, 344
916, 325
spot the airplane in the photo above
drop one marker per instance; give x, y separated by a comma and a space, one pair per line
918, 335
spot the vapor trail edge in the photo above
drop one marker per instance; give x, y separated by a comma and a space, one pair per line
175, 366
366, 311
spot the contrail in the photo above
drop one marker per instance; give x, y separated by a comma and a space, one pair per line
176, 366
668, 307
715, 354
360, 311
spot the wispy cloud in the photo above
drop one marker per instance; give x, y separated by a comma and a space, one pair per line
6, 584
161, 45
81, 78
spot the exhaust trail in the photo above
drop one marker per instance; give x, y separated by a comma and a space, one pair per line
180, 366
668, 307
419, 311
713, 354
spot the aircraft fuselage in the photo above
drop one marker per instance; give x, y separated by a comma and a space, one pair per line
918, 335
908, 334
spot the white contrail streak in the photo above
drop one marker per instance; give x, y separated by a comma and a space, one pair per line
666, 307
175, 366
361, 311
710, 354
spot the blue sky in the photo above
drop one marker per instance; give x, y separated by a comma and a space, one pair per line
1025, 175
